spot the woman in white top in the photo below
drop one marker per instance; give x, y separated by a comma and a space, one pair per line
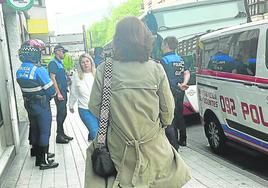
80, 91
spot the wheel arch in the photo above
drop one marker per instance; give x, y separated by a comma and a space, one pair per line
208, 115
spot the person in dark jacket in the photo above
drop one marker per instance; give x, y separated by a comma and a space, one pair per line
37, 90
58, 76
178, 76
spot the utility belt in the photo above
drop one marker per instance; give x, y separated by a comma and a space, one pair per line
41, 99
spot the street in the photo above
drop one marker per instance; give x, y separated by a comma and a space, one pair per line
248, 162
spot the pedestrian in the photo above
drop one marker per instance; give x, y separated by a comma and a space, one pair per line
178, 75
152, 25
59, 79
141, 106
80, 91
37, 90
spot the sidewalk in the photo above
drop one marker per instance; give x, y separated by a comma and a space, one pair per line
70, 173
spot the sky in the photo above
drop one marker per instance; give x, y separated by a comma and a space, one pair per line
68, 17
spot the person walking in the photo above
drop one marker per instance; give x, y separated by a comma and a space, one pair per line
141, 106
80, 91
58, 77
178, 76
37, 90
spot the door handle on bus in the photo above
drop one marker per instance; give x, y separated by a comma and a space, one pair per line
262, 86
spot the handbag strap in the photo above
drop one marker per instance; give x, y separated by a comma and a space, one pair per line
105, 103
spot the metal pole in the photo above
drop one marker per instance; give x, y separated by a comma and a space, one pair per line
85, 39
247, 11
90, 40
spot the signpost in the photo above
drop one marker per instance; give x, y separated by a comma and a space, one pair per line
20, 4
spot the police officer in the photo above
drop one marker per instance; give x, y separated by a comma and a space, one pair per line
59, 79
178, 76
37, 90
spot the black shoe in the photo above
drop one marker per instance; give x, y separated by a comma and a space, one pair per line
61, 140
50, 155
33, 152
182, 143
67, 137
45, 166
38, 162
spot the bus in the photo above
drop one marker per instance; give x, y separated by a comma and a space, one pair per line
232, 84
187, 22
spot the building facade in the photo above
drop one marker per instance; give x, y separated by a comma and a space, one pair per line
16, 26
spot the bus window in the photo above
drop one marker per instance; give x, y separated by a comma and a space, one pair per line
266, 53
246, 52
210, 49
234, 53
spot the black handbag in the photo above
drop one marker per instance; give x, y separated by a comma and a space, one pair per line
101, 159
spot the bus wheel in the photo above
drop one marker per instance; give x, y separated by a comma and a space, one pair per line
215, 135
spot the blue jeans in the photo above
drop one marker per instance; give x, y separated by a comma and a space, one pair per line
91, 122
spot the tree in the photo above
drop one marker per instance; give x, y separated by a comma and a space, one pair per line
103, 31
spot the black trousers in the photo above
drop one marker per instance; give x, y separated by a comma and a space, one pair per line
178, 121
61, 113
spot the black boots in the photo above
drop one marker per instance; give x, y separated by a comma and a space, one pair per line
42, 159
33, 152
61, 140
67, 137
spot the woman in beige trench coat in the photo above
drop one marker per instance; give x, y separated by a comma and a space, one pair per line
141, 107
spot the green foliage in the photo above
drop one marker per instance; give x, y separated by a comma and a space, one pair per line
103, 30
68, 62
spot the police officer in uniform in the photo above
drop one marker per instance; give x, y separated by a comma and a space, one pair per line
59, 79
178, 76
37, 90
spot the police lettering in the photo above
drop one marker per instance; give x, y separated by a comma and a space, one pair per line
256, 113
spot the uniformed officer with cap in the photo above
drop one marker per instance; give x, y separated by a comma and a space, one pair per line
37, 89
178, 75
59, 79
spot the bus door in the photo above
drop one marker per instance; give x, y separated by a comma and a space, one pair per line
235, 83
258, 108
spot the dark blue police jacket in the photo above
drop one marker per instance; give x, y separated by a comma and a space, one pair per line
35, 82
175, 68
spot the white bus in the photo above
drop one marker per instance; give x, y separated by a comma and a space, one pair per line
187, 20
232, 85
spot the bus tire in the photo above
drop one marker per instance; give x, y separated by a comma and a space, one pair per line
215, 135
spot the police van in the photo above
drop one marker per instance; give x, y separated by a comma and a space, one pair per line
232, 85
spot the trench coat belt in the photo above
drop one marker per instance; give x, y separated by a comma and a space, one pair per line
136, 144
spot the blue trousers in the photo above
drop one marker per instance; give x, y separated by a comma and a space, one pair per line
40, 124
90, 121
